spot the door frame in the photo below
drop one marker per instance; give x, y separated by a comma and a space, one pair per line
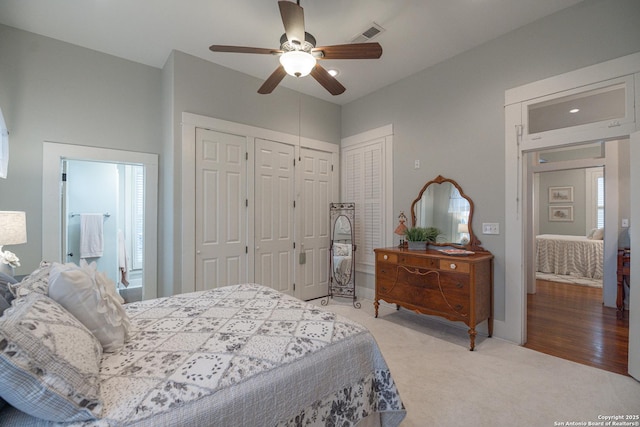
189, 124
609, 163
513, 327
53, 155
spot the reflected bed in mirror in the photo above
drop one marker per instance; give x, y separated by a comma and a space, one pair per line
342, 282
442, 204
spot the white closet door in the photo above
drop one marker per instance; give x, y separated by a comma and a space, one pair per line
274, 215
316, 189
221, 212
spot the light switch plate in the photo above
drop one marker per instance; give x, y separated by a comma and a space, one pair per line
490, 228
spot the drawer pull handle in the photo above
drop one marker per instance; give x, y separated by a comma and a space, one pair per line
452, 266
386, 257
459, 285
458, 307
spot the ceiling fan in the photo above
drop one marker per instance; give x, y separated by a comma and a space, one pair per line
298, 52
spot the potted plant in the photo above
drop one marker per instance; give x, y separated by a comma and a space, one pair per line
418, 237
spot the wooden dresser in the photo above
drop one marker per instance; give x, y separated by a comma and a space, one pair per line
458, 288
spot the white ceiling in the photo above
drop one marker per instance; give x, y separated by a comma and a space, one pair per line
419, 33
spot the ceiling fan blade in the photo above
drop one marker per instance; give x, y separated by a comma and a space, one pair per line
274, 79
243, 49
350, 51
293, 20
327, 80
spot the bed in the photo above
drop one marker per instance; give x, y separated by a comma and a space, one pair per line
578, 256
241, 355
342, 262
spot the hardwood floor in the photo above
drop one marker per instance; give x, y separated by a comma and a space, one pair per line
570, 322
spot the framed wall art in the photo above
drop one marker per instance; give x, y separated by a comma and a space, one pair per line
561, 213
560, 194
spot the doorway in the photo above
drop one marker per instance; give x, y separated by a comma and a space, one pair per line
566, 315
609, 76
57, 215
119, 206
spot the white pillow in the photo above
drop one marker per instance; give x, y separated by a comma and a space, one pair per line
342, 249
92, 298
596, 234
49, 361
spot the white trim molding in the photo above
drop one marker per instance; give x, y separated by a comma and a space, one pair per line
516, 203
189, 124
53, 153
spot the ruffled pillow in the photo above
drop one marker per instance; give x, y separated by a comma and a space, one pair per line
92, 298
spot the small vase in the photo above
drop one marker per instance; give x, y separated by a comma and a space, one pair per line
6, 269
417, 246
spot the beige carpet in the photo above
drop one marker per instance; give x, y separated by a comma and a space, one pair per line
442, 383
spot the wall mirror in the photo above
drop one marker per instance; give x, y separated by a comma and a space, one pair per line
442, 204
342, 279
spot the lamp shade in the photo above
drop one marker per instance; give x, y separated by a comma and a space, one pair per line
463, 228
297, 63
13, 228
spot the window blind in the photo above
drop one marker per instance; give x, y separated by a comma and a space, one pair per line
362, 178
138, 218
600, 203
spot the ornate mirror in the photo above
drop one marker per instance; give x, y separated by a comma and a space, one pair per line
442, 204
342, 278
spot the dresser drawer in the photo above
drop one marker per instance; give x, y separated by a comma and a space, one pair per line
457, 266
386, 271
442, 292
386, 257
418, 261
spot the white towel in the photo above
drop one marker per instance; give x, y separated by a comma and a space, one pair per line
122, 260
91, 237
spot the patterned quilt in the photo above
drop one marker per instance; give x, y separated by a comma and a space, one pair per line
569, 255
242, 355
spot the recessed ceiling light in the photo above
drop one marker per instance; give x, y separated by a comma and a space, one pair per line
333, 72
574, 110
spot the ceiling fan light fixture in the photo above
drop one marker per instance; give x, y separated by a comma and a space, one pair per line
297, 63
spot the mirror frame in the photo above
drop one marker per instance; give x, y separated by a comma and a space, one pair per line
474, 243
337, 287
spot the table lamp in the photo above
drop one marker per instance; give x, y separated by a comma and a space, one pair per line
401, 228
13, 231
463, 230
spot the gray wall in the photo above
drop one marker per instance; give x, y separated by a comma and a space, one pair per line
575, 178
208, 89
450, 116
54, 91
